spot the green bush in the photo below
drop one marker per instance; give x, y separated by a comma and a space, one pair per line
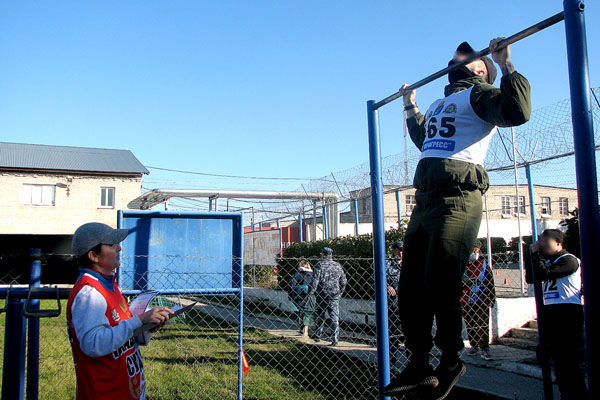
498, 245
354, 253
262, 275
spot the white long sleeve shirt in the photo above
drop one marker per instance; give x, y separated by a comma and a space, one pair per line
96, 336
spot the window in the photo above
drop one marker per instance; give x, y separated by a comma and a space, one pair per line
365, 208
107, 197
411, 202
563, 206
546, 209
506, 209
40, 195
520, 208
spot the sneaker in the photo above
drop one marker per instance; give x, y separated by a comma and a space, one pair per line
334, 344
473, 351
485, 354
409, 379
447, 378
316, 338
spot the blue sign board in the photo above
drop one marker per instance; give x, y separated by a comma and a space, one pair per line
179, 252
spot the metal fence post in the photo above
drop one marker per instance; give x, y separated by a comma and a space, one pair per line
13, 374
238, 251
587, 183
489, 238
398, 207
518, 210
539, 296
300, 227
33, 335
325, 224
534, 231
356, 219
383, 356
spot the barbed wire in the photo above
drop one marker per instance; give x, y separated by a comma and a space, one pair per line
545, 142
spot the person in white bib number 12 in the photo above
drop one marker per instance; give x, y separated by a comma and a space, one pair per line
450, 179
560, 275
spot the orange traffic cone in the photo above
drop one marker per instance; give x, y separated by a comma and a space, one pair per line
497, 272
506, 281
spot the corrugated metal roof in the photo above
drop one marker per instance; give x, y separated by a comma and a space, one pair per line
65, 158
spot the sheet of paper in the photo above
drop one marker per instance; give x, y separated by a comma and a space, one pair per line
180, 310
139, 305
174, 309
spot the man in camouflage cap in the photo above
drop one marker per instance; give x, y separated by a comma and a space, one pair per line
328, 285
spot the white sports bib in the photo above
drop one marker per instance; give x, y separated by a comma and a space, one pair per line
454, 131
563, 290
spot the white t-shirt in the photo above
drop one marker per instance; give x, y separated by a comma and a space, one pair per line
455, 131
565, 290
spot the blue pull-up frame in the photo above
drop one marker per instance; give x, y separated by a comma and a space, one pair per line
587, 186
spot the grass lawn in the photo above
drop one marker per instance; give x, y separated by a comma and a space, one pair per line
198, 360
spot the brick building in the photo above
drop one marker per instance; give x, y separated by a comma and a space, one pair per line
552, 206
46, 192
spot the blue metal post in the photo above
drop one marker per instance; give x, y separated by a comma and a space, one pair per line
13, 374
398, 208
238, 253
539, 298
33, 335
587, 183
356, 219
260, 226
278, 224
325, 224
300, 227
383, 355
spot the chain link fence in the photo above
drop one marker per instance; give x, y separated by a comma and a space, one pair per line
286, 311
196, 355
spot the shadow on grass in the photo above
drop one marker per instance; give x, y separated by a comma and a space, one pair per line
194, 335
309, 368
197, 360
314, 368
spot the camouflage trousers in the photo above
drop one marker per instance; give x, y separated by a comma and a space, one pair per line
329, 307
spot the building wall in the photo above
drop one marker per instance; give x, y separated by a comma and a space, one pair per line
77, 200
496, 192
500, 224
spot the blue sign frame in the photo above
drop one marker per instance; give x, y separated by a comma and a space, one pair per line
181, 252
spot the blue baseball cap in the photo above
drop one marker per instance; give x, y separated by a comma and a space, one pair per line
327, 251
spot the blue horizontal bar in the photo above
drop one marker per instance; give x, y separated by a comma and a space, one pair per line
37, 293
184, 291
50, 293
186, 214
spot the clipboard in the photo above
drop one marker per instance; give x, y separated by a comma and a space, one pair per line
147, 327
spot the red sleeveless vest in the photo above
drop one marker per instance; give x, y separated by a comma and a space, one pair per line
115, 376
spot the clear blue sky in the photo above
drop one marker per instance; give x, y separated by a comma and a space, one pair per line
264, 88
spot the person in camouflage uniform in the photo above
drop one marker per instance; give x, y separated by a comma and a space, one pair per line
328, 285
453, 136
